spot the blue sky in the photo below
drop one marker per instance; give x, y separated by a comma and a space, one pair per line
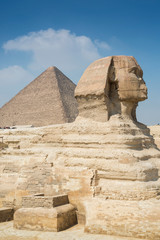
70, 34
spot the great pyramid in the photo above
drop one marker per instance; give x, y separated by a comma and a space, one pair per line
49, 99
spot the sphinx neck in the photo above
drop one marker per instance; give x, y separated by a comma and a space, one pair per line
128, 110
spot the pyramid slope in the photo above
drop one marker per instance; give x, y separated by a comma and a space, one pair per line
49, 99
66, 89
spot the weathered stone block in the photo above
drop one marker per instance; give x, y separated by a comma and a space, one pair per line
6, 214
140, 219
44, 219
39, 200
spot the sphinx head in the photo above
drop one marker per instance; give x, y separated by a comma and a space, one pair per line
110, 86
128, 76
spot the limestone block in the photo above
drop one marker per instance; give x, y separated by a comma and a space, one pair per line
44, 219
124, 218
39, 200
6, 214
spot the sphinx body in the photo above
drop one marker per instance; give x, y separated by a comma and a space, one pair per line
105, 161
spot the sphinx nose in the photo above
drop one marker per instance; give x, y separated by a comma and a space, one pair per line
143, 85
142, 81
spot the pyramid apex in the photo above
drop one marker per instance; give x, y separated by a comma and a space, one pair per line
52, 68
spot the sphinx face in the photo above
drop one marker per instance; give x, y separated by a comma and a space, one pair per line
129, 77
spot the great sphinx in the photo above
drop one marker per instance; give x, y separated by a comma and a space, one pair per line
106, 161
128, 176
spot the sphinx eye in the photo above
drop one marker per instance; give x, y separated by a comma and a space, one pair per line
133, 70
141, 73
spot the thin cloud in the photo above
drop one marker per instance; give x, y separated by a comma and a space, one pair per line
61, 48
14, 74
12, 80
102, 44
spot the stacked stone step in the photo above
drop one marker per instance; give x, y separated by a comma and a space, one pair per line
45, 213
